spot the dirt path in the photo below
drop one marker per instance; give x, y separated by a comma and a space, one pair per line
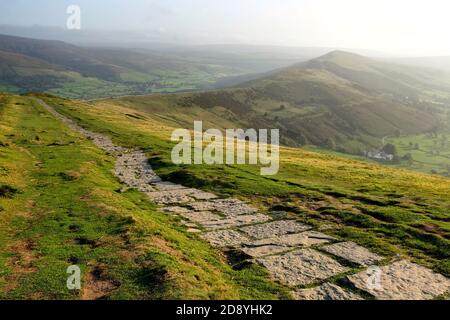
293, 253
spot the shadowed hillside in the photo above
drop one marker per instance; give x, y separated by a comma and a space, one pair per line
81, 72
78, 72
341, 101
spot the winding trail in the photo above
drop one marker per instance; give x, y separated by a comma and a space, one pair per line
293, 253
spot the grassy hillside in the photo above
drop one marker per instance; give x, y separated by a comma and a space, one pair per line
351, 102
390, 211
340, 101
18, 72
60, 205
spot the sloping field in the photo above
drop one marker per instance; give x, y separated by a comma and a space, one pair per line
66, 199
60, 205
392, 212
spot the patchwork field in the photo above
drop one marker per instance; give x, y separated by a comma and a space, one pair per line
425, 152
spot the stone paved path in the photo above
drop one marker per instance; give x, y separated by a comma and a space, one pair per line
293, 253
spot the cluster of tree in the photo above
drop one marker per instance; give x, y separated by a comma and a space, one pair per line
408, 158
389, 148
415, 146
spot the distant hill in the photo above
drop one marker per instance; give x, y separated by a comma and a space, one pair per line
98, 72
340, 100
20, 71
90, 72
79, 72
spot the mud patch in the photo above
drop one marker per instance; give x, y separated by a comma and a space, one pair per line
7, 191
83, 241
97, 285
21, 263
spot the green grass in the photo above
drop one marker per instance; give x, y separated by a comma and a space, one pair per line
88, 88
391, 211
430, 152
60, 205
133, 83
4, 87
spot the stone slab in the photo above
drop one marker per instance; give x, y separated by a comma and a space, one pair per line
236, 221
228, 207
165, 185
133, 169
263, 250
202, 195
402, 280
200, 216
353, 252
275, 228
224, 238
175, 209
301, 267
193, 230
284, 243
326, 291
171, 196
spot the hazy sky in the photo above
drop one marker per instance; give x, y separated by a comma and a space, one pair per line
415, 27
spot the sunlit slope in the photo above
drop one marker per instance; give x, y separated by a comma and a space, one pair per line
61, 205
389, 210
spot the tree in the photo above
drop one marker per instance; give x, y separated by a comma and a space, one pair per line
409, 159
330, 143
390, 149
